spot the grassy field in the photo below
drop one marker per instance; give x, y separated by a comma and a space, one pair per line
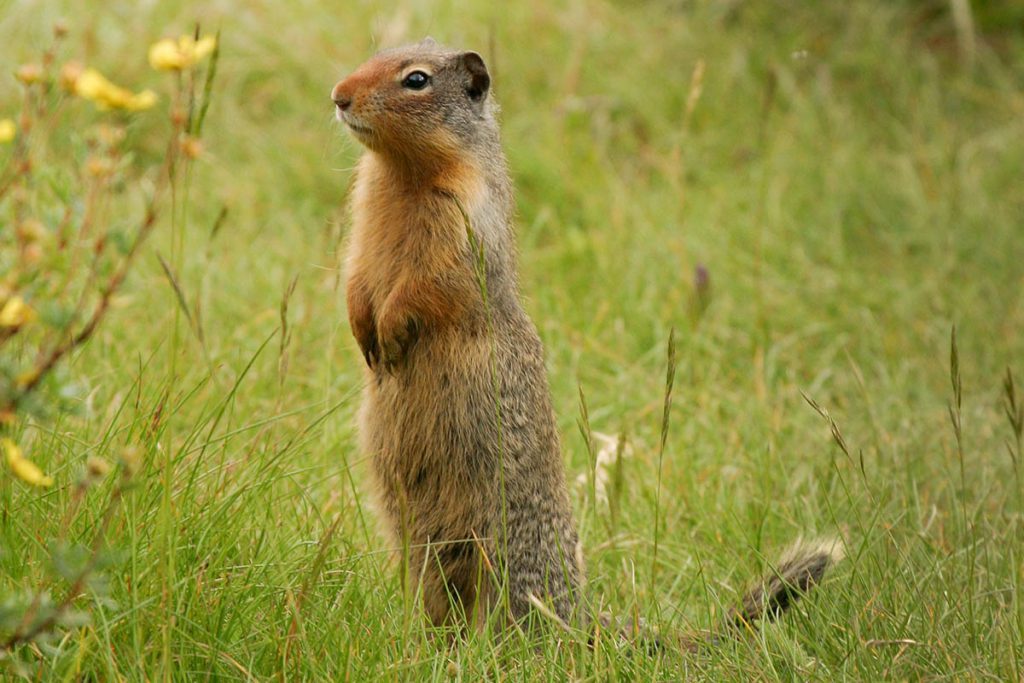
811, 196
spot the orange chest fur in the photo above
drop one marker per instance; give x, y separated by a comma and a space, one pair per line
400, 238
403, 233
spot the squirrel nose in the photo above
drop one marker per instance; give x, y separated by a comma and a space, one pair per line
341, 99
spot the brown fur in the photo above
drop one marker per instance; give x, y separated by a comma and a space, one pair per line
456, 412
800, 569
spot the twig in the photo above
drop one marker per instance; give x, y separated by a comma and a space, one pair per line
21, 635
49, 360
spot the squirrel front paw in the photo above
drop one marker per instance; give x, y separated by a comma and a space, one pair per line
395, 336
361, 320
366, 337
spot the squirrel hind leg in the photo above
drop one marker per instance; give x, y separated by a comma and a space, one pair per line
800, 568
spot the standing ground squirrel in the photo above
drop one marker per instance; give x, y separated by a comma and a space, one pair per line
456, 412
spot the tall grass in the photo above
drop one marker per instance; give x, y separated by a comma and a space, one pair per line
841, 193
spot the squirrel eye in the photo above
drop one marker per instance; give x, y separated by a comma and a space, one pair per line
417, 80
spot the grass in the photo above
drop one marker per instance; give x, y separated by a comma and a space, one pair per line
847, 178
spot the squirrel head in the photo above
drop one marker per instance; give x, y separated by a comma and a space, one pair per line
421, 104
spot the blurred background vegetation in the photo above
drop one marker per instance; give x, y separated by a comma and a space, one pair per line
811, 194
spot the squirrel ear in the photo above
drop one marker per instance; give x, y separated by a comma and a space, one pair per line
479, 79
428, 42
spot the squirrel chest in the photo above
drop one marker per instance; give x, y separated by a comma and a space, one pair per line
411, 267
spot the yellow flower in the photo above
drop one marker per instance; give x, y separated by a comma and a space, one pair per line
175, 55
24, 469
94, 86
15, 313
7, 130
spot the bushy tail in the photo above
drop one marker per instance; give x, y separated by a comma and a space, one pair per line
799, 569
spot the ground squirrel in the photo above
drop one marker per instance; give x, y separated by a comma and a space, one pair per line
456, 412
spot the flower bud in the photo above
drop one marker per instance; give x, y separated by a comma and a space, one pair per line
29, 74
99, 167
30, 230
110, 136
191, 147
32, 253
130, 460
97, 467
69, 74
